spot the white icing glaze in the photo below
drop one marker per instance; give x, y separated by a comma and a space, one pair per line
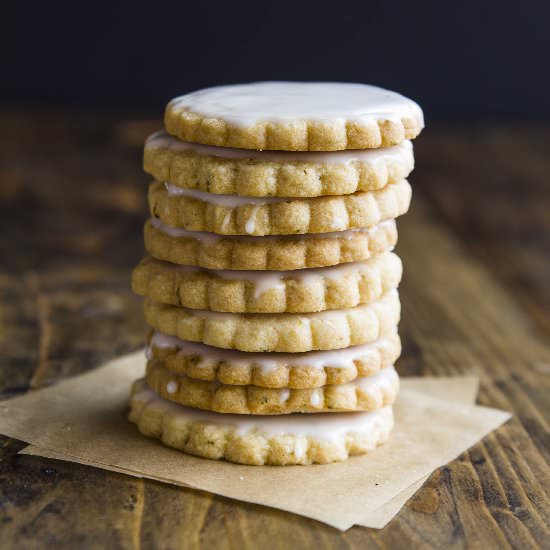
300, 447
315, 398
275, 280
231, 201
209, 238
178, 232
284, 394
402, 153
250, 225
341, 359
384, 378
235, 201
324, 426
246, 105
172, 387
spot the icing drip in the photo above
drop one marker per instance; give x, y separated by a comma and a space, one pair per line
341, 359
384, 378
250, 225
325, 426
315, 398
231, 201
172, 387
402, 153
245, 105
284, 394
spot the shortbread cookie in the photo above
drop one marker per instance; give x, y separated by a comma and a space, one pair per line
294, 116
298, 291
274, 370
227, 171
213, 251
259, 440
362, 394
287, 332
231, 215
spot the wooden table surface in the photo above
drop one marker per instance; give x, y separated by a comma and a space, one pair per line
475, 297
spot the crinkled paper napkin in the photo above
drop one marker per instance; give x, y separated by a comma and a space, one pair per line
84, 420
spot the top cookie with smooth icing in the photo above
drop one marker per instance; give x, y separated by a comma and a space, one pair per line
294, 116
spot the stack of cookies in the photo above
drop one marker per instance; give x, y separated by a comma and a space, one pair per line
271, 285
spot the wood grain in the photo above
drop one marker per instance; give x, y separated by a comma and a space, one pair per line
475, 297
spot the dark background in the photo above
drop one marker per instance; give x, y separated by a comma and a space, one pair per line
476, 288
468, 59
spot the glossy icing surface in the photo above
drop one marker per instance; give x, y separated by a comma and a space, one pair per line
342, 358
324, 426
245, 105
178, 232
402, 153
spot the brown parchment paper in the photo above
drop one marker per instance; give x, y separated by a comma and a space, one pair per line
85, 418
462, 389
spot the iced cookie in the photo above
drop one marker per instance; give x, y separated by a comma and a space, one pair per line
294, 116
232, 215
197, 248
227, 171
362, 394
257, 440
274, 370
298, 291
285, 332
